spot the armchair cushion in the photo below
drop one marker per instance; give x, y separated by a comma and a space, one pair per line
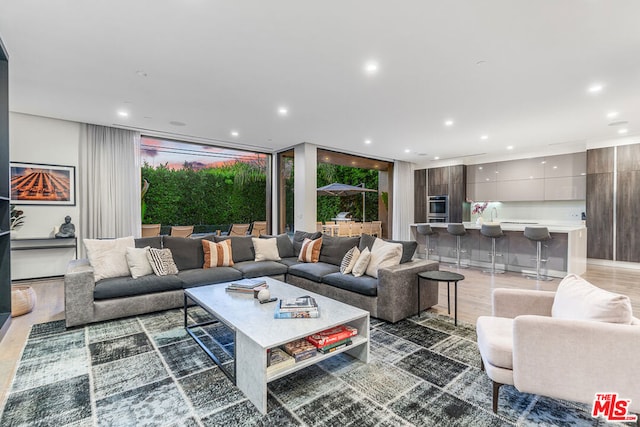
579, 300
495, 340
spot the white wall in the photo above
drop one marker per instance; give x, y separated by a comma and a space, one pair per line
34, 139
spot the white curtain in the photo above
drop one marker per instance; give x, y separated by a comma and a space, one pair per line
109, 182
402, 200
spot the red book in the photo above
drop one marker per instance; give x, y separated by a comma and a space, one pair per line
329, 336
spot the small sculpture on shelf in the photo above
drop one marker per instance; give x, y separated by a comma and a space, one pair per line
67, 229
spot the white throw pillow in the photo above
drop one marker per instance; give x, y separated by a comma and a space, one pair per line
383, 254
578, 299
349, 260
361, 263
138, 263
109, 257
266, 249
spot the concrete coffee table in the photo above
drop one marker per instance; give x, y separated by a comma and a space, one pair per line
255, 331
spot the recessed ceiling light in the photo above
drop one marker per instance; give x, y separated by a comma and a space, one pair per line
612, 115
583, 173
623, 131
509, 147
595, 88
406, 150
436, 158
448, 123
353, 163
371, 67
283, 111
367, 141
555, 167
487, 179
484, 137
480, 167
543, 162
234, 133
123, 114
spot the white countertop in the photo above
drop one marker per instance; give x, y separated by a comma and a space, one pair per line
519, 225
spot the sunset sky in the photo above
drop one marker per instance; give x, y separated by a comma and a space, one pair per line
157, 152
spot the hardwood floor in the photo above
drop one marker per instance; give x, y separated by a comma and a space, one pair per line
474, 299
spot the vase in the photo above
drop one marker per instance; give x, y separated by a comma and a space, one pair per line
479, 220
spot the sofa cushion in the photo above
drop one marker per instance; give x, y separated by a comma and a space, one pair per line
266, 249
495, 340
217, 254
200, 276
187, 252
285, 246
161, 261
152, 242
334, 248
250, 269
108, 257
364, 285
310, 251
383, 254
298, 238
241, 246
578, 299
313, 271
289, 261
408, 246
119, 287
138, 262
362, 263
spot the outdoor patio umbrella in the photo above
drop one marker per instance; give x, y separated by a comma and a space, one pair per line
337, 189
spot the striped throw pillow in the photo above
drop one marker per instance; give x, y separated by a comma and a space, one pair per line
217, 254
349, 260
161, 261
310, 251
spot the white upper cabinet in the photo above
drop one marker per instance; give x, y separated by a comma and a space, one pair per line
565, 165
561, 177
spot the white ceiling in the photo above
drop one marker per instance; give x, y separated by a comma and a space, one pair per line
219, 66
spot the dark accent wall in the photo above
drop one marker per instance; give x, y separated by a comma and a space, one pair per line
420, 189
5, 235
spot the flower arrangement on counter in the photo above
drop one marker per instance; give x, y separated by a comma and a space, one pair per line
478, 208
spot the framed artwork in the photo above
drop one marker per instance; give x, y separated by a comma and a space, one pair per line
38, 184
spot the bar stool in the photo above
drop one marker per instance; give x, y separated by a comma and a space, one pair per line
457, 230
494, 231
426, 231
538, 235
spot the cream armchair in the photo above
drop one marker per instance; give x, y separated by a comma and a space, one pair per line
523, 345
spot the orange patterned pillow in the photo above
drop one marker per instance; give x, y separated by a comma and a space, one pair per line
217, 254
310, 251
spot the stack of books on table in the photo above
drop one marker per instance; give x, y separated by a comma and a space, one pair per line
297, 308
300, 349
247, 286
278, 359
333, 339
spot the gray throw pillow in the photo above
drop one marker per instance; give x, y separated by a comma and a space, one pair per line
241, 247
187, 252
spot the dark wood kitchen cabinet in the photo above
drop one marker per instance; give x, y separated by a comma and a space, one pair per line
420, 203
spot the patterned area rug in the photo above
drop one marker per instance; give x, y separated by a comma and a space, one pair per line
146, 370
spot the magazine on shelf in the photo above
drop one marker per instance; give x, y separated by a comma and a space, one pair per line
277, 358
300, 349
299, 314
297, 304
332, 335
248, 283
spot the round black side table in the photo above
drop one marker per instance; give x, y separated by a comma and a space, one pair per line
443, 276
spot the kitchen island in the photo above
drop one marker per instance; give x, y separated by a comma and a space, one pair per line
566, 252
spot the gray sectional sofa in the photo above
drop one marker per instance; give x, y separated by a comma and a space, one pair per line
392, 296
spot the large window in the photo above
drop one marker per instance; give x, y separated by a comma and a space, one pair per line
205, 186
